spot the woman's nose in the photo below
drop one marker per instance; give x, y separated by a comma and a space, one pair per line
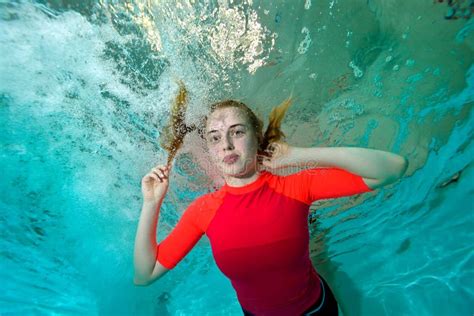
228, 145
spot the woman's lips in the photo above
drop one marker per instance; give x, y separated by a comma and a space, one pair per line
230, 159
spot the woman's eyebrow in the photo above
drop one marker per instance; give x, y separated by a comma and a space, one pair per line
234, 125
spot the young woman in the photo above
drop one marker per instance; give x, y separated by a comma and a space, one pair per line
257, 222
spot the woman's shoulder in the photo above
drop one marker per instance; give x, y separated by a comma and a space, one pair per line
208, 200
203, 208
276, 177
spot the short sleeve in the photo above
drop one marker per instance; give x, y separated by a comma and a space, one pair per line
182, 238
324, 183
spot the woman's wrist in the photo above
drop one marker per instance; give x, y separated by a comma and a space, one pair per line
150, 204
298, 157
286, 156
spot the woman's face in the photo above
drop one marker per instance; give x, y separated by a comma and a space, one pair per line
232, 142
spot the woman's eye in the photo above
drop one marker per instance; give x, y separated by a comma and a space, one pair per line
214, 139
238, 133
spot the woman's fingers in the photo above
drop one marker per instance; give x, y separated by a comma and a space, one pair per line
272, 149
277, 149
155, 176
161, 167
155, 183
151, 176
160, 172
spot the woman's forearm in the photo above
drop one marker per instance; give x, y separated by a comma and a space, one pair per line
368, 163
145, 241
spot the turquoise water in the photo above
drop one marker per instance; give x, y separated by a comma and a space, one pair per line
85, 90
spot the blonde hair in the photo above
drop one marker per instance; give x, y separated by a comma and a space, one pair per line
173, 133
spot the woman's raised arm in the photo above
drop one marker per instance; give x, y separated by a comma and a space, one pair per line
154, 188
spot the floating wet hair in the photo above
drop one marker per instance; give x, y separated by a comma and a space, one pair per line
174, 132
273, 132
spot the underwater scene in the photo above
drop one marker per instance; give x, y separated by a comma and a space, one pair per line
86, 89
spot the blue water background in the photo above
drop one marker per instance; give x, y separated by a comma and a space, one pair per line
85, 90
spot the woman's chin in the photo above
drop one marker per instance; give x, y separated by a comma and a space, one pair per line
233, 173
237, 172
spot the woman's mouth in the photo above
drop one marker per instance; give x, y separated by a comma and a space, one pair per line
230, 159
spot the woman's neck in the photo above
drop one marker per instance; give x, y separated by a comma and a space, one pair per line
241, 181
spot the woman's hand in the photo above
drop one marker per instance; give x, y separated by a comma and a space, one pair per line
155, 184
278, 155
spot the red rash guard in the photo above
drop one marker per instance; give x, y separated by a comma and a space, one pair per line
259, 236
